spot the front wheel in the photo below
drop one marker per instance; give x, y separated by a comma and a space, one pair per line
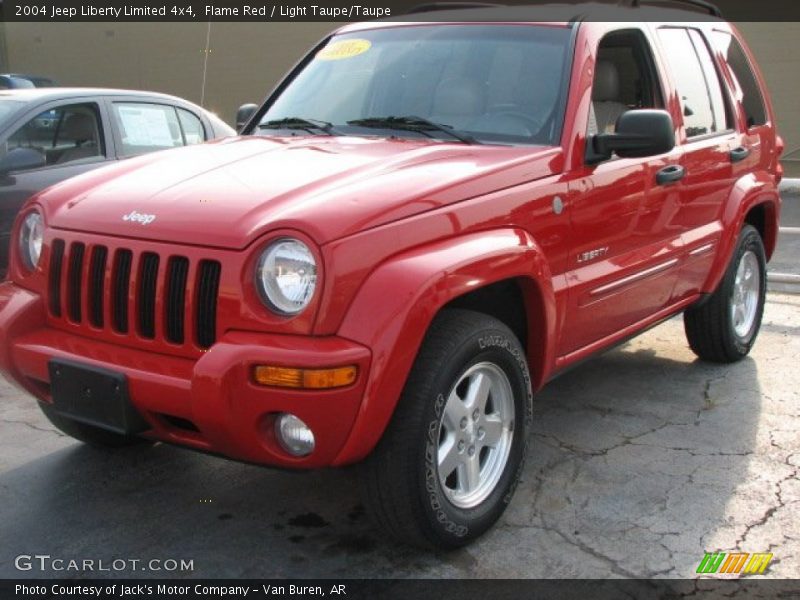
724, 328
448, 464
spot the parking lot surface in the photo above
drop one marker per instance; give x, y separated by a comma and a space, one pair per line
642, 460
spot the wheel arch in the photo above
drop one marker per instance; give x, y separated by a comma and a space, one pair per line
474, 271
754, 200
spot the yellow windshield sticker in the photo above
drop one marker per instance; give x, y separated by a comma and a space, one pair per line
344, 49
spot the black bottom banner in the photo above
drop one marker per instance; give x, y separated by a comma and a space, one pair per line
411, 589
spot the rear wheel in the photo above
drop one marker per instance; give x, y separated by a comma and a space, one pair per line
87, 433
448, 464
724, 328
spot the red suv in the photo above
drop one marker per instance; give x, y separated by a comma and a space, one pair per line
424, 223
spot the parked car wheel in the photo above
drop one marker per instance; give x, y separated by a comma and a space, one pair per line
448, 464
725, 326
88, 434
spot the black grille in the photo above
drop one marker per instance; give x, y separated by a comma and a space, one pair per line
207, 291
177, 273
122, 282
56, 267
146, 300
97, 279
142, 295
74, 281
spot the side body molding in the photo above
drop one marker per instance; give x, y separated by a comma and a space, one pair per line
395, 306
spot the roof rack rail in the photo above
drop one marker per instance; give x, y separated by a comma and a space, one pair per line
711, 9
434, 6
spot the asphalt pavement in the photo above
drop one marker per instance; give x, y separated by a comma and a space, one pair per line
642, 460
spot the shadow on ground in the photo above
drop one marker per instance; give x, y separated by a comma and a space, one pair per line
635, 462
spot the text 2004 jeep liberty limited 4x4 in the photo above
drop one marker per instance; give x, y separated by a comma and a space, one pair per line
426, 223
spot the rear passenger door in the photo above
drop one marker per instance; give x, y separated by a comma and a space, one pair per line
713, 152
141, 127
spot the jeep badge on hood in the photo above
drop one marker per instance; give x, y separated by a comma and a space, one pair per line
137, 217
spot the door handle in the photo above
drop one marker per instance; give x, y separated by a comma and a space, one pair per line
670, 174
739, 153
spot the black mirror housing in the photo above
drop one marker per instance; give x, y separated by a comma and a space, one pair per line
639, 133
243, 115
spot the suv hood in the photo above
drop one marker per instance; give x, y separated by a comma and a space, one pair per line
227, 193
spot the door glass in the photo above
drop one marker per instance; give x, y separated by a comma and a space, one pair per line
700, 116
146, 127
193, 131
63, 135
624, 80
752, 100
723, 114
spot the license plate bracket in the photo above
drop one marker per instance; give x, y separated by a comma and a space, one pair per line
94, 396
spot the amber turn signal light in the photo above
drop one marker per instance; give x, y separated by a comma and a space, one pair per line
313, 379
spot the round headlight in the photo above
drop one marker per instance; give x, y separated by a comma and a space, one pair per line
286, 276
30, 239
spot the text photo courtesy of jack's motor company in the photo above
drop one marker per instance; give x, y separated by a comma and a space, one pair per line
399, 301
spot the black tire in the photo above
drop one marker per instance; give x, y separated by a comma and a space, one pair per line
710, 326
89, 434
402, 488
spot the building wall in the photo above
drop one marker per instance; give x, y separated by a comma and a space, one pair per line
777, 50
246, 59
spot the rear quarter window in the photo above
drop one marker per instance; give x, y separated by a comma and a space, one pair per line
752, 100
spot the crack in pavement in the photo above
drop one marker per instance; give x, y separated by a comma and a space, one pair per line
32, 426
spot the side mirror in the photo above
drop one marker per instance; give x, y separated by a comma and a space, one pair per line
639, 133
243, 115
18, 159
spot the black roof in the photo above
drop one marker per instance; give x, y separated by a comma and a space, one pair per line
566, 12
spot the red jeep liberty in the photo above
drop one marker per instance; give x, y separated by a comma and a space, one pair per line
424, 223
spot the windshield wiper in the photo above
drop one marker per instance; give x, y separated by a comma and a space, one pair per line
413, 123
309, 125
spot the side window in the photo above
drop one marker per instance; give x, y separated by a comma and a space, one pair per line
723, 115
625, 79
62, 135
702, 101
192, 127
742, 71
147, 127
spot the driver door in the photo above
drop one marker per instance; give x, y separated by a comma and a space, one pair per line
625, 257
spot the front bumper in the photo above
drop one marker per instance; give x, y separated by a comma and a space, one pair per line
210, 404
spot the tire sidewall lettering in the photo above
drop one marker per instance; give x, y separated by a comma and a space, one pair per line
487, 344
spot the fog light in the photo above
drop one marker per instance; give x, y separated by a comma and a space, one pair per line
293, 435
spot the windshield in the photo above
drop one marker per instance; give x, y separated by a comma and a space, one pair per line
488, 83
8, 108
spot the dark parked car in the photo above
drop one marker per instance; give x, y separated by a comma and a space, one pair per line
48, 135
14, 81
